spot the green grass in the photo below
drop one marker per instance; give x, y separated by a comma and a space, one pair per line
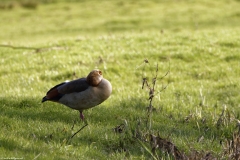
198, 39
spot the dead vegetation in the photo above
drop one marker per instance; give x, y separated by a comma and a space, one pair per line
161, 148
165, 146
34, 49
231, 147
28, 4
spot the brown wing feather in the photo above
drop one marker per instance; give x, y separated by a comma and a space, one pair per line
53, 94
58, 91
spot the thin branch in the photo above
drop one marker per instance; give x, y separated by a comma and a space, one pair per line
165, 75
36, 49
19, 47
166, 72
163, 88
151, 87
77, 132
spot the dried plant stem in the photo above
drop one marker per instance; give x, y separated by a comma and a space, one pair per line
151, 96
36, 49
77, 132
151, 89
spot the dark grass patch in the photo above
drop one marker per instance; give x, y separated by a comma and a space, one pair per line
232, 58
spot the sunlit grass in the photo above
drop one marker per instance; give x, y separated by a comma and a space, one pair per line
202, 52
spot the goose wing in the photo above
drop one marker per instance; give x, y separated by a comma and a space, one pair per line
55, 93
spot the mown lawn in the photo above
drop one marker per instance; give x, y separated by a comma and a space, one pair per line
43, 43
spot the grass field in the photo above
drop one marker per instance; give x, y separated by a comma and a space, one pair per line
43, 43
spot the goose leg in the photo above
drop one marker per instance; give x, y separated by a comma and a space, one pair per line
81, 115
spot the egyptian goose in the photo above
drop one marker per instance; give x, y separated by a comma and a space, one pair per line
81, 94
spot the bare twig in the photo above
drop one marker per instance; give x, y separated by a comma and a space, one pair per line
165, 74
119, 129
77, 132
143, 82
36, 49
152, 87
151, 96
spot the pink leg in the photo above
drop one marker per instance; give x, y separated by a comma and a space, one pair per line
81, 115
